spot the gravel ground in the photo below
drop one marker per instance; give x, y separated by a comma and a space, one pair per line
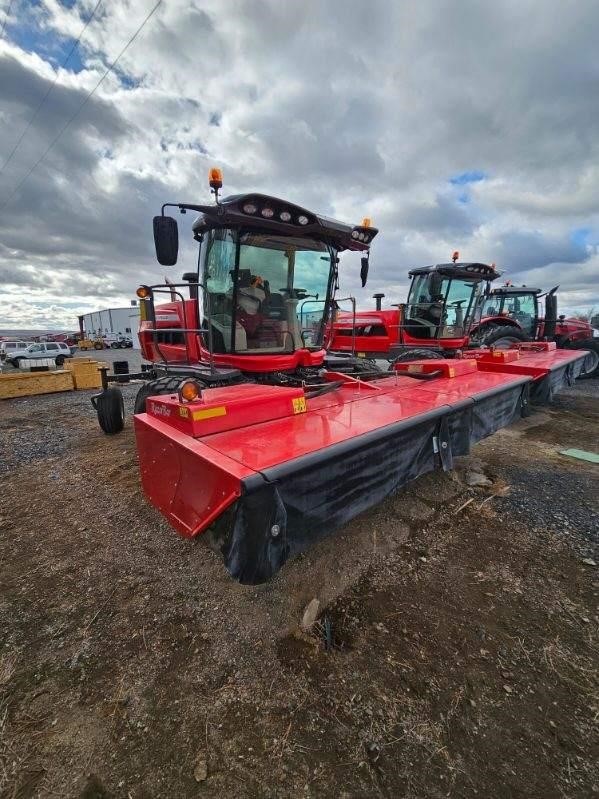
463, 619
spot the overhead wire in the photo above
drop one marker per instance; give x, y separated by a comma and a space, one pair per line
48, 91
6, 16
81, 106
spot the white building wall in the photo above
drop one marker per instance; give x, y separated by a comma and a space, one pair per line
113, 321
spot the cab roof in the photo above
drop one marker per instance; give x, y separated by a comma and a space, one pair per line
230, 213
462, 269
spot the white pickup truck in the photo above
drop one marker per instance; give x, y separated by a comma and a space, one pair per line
57, 350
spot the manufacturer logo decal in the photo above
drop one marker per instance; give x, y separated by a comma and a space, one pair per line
158, 409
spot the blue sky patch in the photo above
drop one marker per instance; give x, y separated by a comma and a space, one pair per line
32, 37
472, 176
581, 236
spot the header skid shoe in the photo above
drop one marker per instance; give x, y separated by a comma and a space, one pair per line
272, 472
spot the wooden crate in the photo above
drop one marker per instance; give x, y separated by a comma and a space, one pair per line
28, 384
86, 372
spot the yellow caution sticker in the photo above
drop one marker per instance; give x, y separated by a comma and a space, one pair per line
183, 411
451, 371
208, 413
415, 367
361, 354
299, 405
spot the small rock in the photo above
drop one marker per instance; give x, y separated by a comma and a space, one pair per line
310, 614
200, 771
589, 562
508, 689
476, 479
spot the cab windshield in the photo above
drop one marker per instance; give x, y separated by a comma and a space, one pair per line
440, 306
266, 293
522, 308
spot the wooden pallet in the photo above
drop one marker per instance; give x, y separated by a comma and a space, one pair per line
27, 384
86, 372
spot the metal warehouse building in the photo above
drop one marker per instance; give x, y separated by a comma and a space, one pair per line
113, 321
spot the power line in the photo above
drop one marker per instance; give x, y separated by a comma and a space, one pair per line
83, 104
7, 15
47, 94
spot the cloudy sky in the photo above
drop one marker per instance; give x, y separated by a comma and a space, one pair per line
457, 124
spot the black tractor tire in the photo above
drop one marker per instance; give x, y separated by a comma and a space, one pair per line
59, 360
591, 364
98, 346
501, 336
366, 366
417, 354
164, 385
111, 411
115, 345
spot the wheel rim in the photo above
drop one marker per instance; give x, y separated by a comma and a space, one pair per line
591, 362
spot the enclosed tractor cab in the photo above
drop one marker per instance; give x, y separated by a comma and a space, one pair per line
249, 434
513, 314
443, 302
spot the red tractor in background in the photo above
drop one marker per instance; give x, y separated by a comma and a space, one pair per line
514, 313
452, 307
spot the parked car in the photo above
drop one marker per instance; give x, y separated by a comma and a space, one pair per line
118, 341
8, 348
45, 349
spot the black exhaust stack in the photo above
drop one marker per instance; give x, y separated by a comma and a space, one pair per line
550, 314
378, 298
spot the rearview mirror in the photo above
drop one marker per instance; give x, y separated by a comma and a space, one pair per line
364, 271
166, 240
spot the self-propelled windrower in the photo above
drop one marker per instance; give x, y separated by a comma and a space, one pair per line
249, 433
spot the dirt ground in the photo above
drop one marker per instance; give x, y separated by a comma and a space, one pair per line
455, 653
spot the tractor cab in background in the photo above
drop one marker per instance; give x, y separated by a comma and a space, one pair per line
515, 304
444, 299
443, 302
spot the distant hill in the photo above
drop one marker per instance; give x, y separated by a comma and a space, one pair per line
27, 333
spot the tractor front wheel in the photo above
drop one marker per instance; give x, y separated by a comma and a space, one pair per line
415, 355
591, 363
501, 336
110, 408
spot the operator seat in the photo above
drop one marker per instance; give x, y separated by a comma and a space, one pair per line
276, 308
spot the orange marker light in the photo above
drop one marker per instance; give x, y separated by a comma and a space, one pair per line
215, 178
455, 256
189, 391
143, 292
366, 222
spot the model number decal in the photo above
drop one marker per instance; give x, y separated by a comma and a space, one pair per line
299, 405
